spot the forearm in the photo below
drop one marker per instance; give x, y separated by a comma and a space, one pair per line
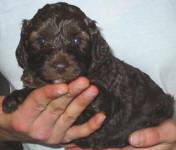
6, 135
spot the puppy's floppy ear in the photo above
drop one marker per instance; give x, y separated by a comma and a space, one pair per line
21, 53
91, 25
100, 50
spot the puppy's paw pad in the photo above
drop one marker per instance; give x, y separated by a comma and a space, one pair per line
9, 104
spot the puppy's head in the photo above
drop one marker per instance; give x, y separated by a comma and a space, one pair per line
57, 44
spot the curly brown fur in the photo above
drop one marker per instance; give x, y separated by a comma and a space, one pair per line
61, 43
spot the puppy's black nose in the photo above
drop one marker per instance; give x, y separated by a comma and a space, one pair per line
61, 67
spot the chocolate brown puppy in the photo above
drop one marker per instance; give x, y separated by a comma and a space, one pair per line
59, 44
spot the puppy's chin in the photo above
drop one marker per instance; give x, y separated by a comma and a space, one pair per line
58, 81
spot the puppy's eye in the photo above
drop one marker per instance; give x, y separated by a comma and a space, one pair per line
77, 40
41, 41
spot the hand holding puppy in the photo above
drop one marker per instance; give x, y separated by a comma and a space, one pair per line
47, 115
162, 137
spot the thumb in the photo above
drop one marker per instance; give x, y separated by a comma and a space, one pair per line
164, 133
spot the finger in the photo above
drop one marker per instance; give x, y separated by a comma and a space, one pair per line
57, 107
163, 146
40, 98
78, 105
35, 103
131, 148
73, 110
69, 145
85, 129
165, 133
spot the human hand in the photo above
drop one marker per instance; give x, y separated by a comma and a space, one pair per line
47, 114
162, 137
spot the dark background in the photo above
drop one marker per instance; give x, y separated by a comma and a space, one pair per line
4, 85
5, 90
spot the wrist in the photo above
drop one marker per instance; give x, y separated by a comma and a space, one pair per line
6, 135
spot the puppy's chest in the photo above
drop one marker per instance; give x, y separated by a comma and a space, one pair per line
110, 76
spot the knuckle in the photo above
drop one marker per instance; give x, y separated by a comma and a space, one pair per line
91, 128
55, 106
55, 110
53, 141
69, 118
39, 107
35, 94
20, 127
54, 90
40, 104
82, 103
41, 93
48, 90
40, 135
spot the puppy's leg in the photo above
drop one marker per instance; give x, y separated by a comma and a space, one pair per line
12, 101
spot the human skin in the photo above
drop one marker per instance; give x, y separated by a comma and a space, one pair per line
51, 110
162, 137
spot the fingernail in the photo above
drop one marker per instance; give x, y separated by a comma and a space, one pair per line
136, 139
62, 91
69, 95
91, 92
89, 95
101, 119
82, 84
67, 140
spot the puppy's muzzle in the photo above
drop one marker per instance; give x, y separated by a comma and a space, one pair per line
60, 66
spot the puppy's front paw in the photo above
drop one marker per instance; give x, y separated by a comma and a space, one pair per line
12, 101
10, 104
